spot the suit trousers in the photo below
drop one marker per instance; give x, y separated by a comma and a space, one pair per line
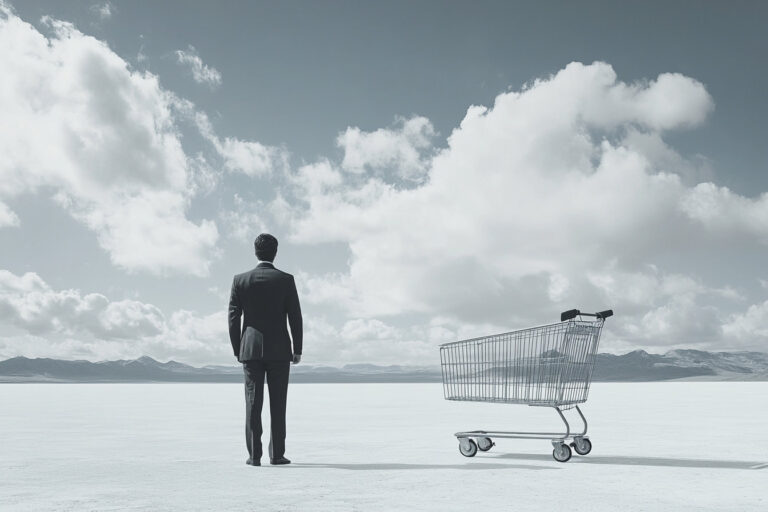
277, 373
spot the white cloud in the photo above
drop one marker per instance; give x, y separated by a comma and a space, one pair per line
249, 157
70, 323
28, 302
245, 221
79, 121
7, 216
104, 10
65, 347
749, 327
202, 73
332, 288
193, 338
317, 178
220, 293
563, 194
399, 149
373, 341
660, 310
141, 57
723, 211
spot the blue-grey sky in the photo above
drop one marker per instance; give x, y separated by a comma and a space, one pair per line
150, 142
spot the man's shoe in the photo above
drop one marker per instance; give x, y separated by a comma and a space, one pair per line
279, 461
252, 462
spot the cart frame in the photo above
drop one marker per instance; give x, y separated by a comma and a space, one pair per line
558, 376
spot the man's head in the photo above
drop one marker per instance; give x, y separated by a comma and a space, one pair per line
266, 247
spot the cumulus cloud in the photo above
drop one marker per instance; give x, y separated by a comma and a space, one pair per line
376, 340
249, 157
77, 120
70, 323
193, 338
28, 302
316, 178
399, 149
202, 73
371, 340
67, 323
561, 194
749, 327
723, 211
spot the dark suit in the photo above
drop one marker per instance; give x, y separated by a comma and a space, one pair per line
265, 297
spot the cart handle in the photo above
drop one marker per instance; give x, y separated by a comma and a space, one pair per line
573, 313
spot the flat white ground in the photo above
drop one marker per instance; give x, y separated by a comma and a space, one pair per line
154, 447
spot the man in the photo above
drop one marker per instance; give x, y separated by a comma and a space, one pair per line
265, 297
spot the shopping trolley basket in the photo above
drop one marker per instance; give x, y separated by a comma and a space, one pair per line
546, 366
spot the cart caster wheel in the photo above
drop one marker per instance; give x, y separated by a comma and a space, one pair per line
562, 453
467, 447
582, 445
484, 444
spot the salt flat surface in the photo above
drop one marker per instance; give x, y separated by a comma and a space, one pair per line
155, 447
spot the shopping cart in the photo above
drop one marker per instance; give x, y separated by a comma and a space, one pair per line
546, 366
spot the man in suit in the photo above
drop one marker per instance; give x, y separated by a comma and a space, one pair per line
265, 297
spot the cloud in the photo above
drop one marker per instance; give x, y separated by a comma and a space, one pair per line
70, 323
370, 340
7, 216
202, 73
331, 288
245, 221
249, 157
399, 149
563, 194
316, 178
104, 10
374, 340
751, 326
79, 121
28, 302
722, 211
67, 323
141, 57
193, 338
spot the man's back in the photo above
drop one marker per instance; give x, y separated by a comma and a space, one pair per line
265, 296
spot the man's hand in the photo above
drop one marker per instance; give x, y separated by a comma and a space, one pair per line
296, 358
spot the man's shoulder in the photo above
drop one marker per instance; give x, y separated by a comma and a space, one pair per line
283, 277
272, 270
285, 274
241, 275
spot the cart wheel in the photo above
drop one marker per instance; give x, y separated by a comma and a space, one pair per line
484, 444
582, 445
562, 453
467, 447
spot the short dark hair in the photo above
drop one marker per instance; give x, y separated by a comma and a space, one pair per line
266, 247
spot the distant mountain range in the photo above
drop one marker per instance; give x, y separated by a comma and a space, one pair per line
681, 364
635, 366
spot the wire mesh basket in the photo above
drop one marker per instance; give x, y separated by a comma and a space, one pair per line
550, 365
547, 366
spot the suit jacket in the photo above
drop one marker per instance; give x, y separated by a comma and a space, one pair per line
264, 297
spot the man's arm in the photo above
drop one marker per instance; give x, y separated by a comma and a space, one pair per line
235, 312
294, 318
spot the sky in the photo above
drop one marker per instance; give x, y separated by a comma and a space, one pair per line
433, 171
